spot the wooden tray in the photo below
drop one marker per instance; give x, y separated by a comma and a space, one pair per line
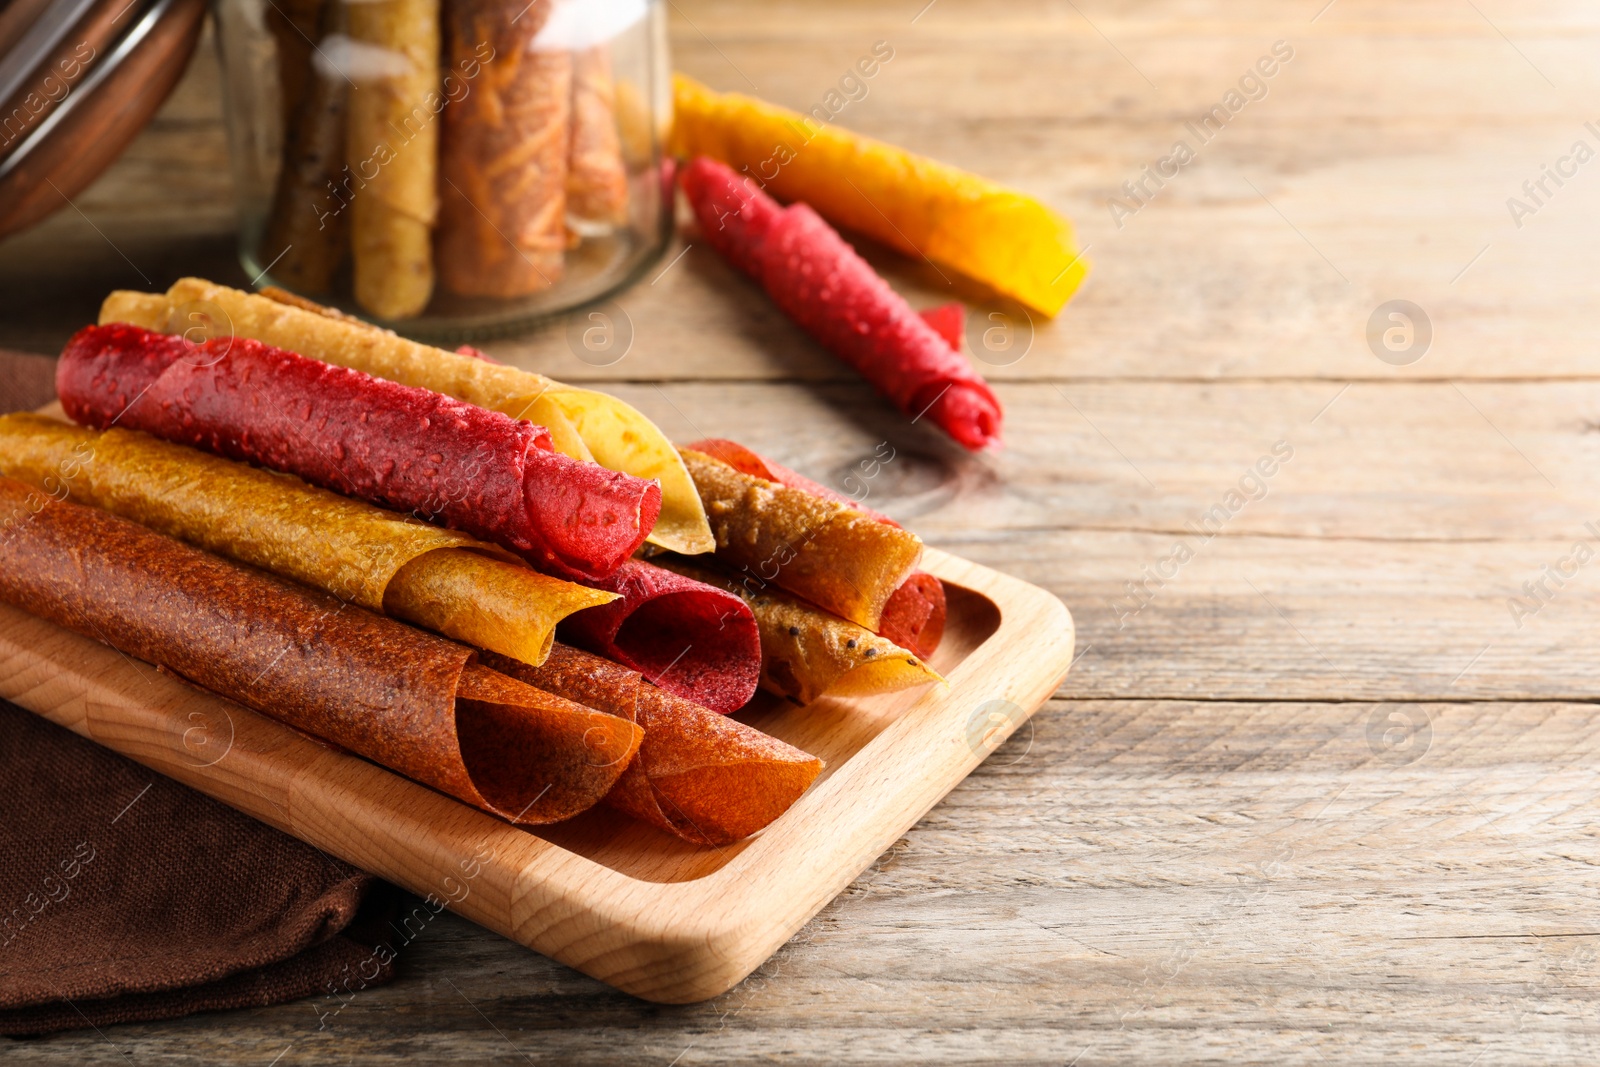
616, 899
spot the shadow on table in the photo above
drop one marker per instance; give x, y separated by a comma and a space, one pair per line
54, 277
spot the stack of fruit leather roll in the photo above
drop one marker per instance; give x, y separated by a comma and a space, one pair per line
413, 449
445, 581
698, 775
415, 703
819, 575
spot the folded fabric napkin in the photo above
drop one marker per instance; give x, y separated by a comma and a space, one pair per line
125, 896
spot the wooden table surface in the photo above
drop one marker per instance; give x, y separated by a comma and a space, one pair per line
1321, 791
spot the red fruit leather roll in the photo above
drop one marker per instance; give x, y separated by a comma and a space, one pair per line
948, 321
687, 637
415, 703
401, 447
702, 776
914, 616
820, 282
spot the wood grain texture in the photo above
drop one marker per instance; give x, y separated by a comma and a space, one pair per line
1112, 886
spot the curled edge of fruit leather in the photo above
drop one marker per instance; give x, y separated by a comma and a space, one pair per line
702, 776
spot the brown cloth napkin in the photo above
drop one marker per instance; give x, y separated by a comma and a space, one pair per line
125, 896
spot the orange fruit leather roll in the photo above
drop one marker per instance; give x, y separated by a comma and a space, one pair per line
833, 555
414, 703
702, 776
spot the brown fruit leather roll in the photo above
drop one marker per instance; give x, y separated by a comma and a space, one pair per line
833, 555
417, 704
704, 777
306, 235
503, 160
914, 615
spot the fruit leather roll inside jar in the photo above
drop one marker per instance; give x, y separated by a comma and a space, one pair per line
503, 177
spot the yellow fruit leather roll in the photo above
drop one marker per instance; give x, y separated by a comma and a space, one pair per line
806, 652
382, 561
392, 144
833, 555
924, 208
583, 424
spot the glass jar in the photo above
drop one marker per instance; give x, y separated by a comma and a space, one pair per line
452, 169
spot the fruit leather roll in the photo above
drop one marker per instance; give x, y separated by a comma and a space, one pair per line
687, 637
376, 559
503, 165
584, 424
820, 282
415, 703
806, 652
480, 471
391, 135
926, 209
597, 178
305, 241
833, 555
914, 616
702, 776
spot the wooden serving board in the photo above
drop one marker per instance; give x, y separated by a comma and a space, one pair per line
628, 904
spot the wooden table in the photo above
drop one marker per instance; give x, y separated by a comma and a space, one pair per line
1319, 792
